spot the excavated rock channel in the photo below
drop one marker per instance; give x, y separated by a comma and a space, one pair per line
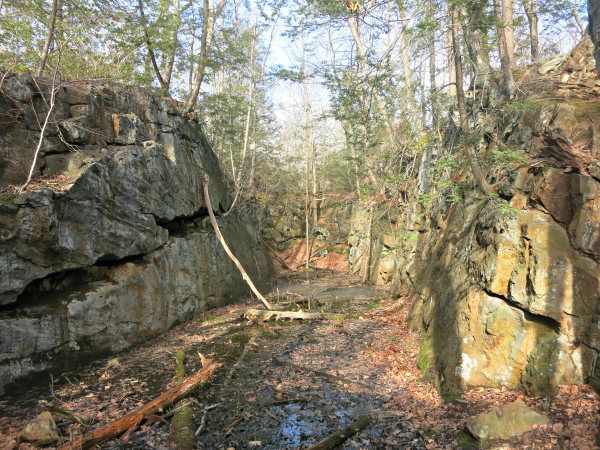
287, 384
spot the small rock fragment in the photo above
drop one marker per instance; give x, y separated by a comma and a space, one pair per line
42, 427
511, 420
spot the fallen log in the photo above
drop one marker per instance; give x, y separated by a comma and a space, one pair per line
266, 315
131, 420
182, 427
341, 435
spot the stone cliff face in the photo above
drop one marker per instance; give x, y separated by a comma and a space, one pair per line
507, 290
111, 244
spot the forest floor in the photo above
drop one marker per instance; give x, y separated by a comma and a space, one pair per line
289, 384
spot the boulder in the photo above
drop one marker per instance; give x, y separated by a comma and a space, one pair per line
42, 427
509, 421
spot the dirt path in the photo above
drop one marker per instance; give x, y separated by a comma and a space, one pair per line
288, 384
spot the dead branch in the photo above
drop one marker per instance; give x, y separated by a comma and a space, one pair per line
273, 416
133, 419
51, 407
213, 221
266, 315
342, 435
203, 420
291, 400
53, 92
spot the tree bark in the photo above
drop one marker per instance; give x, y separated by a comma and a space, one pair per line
169, 59
151, 54
530, 7
132, 420
432, 70
578, 20
509, 30
408, 73
462, 106
474, 44
49, 38
208, 29
361, 56
509, 83
451, 69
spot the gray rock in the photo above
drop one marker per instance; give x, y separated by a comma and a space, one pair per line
76, 130
20, 87
116, 201
70, 318
90, 267
509, 421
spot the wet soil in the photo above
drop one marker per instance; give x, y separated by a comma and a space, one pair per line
289, 384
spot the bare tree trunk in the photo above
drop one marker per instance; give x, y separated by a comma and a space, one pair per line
169, 60
462, 106
451, 69
208, 29
408, 73
315, 200
151, 54
509, 82
361, 56
49, 38
578, 20
473, 42
530, 7
253, 159
509, 30
432, 83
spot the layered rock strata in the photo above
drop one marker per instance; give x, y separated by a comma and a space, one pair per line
506, 289
111, 245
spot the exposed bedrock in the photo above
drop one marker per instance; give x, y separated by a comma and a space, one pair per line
507, 291
111, 245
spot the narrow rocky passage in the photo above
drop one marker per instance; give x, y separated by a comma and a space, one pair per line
289, 384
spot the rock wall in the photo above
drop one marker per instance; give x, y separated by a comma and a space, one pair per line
506, 289
594, 29
111, 244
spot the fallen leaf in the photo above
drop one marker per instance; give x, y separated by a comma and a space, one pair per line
255, 443
252, 399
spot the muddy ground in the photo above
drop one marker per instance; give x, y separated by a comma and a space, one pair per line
289, 384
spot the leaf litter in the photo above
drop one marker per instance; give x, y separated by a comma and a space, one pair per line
289, 384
